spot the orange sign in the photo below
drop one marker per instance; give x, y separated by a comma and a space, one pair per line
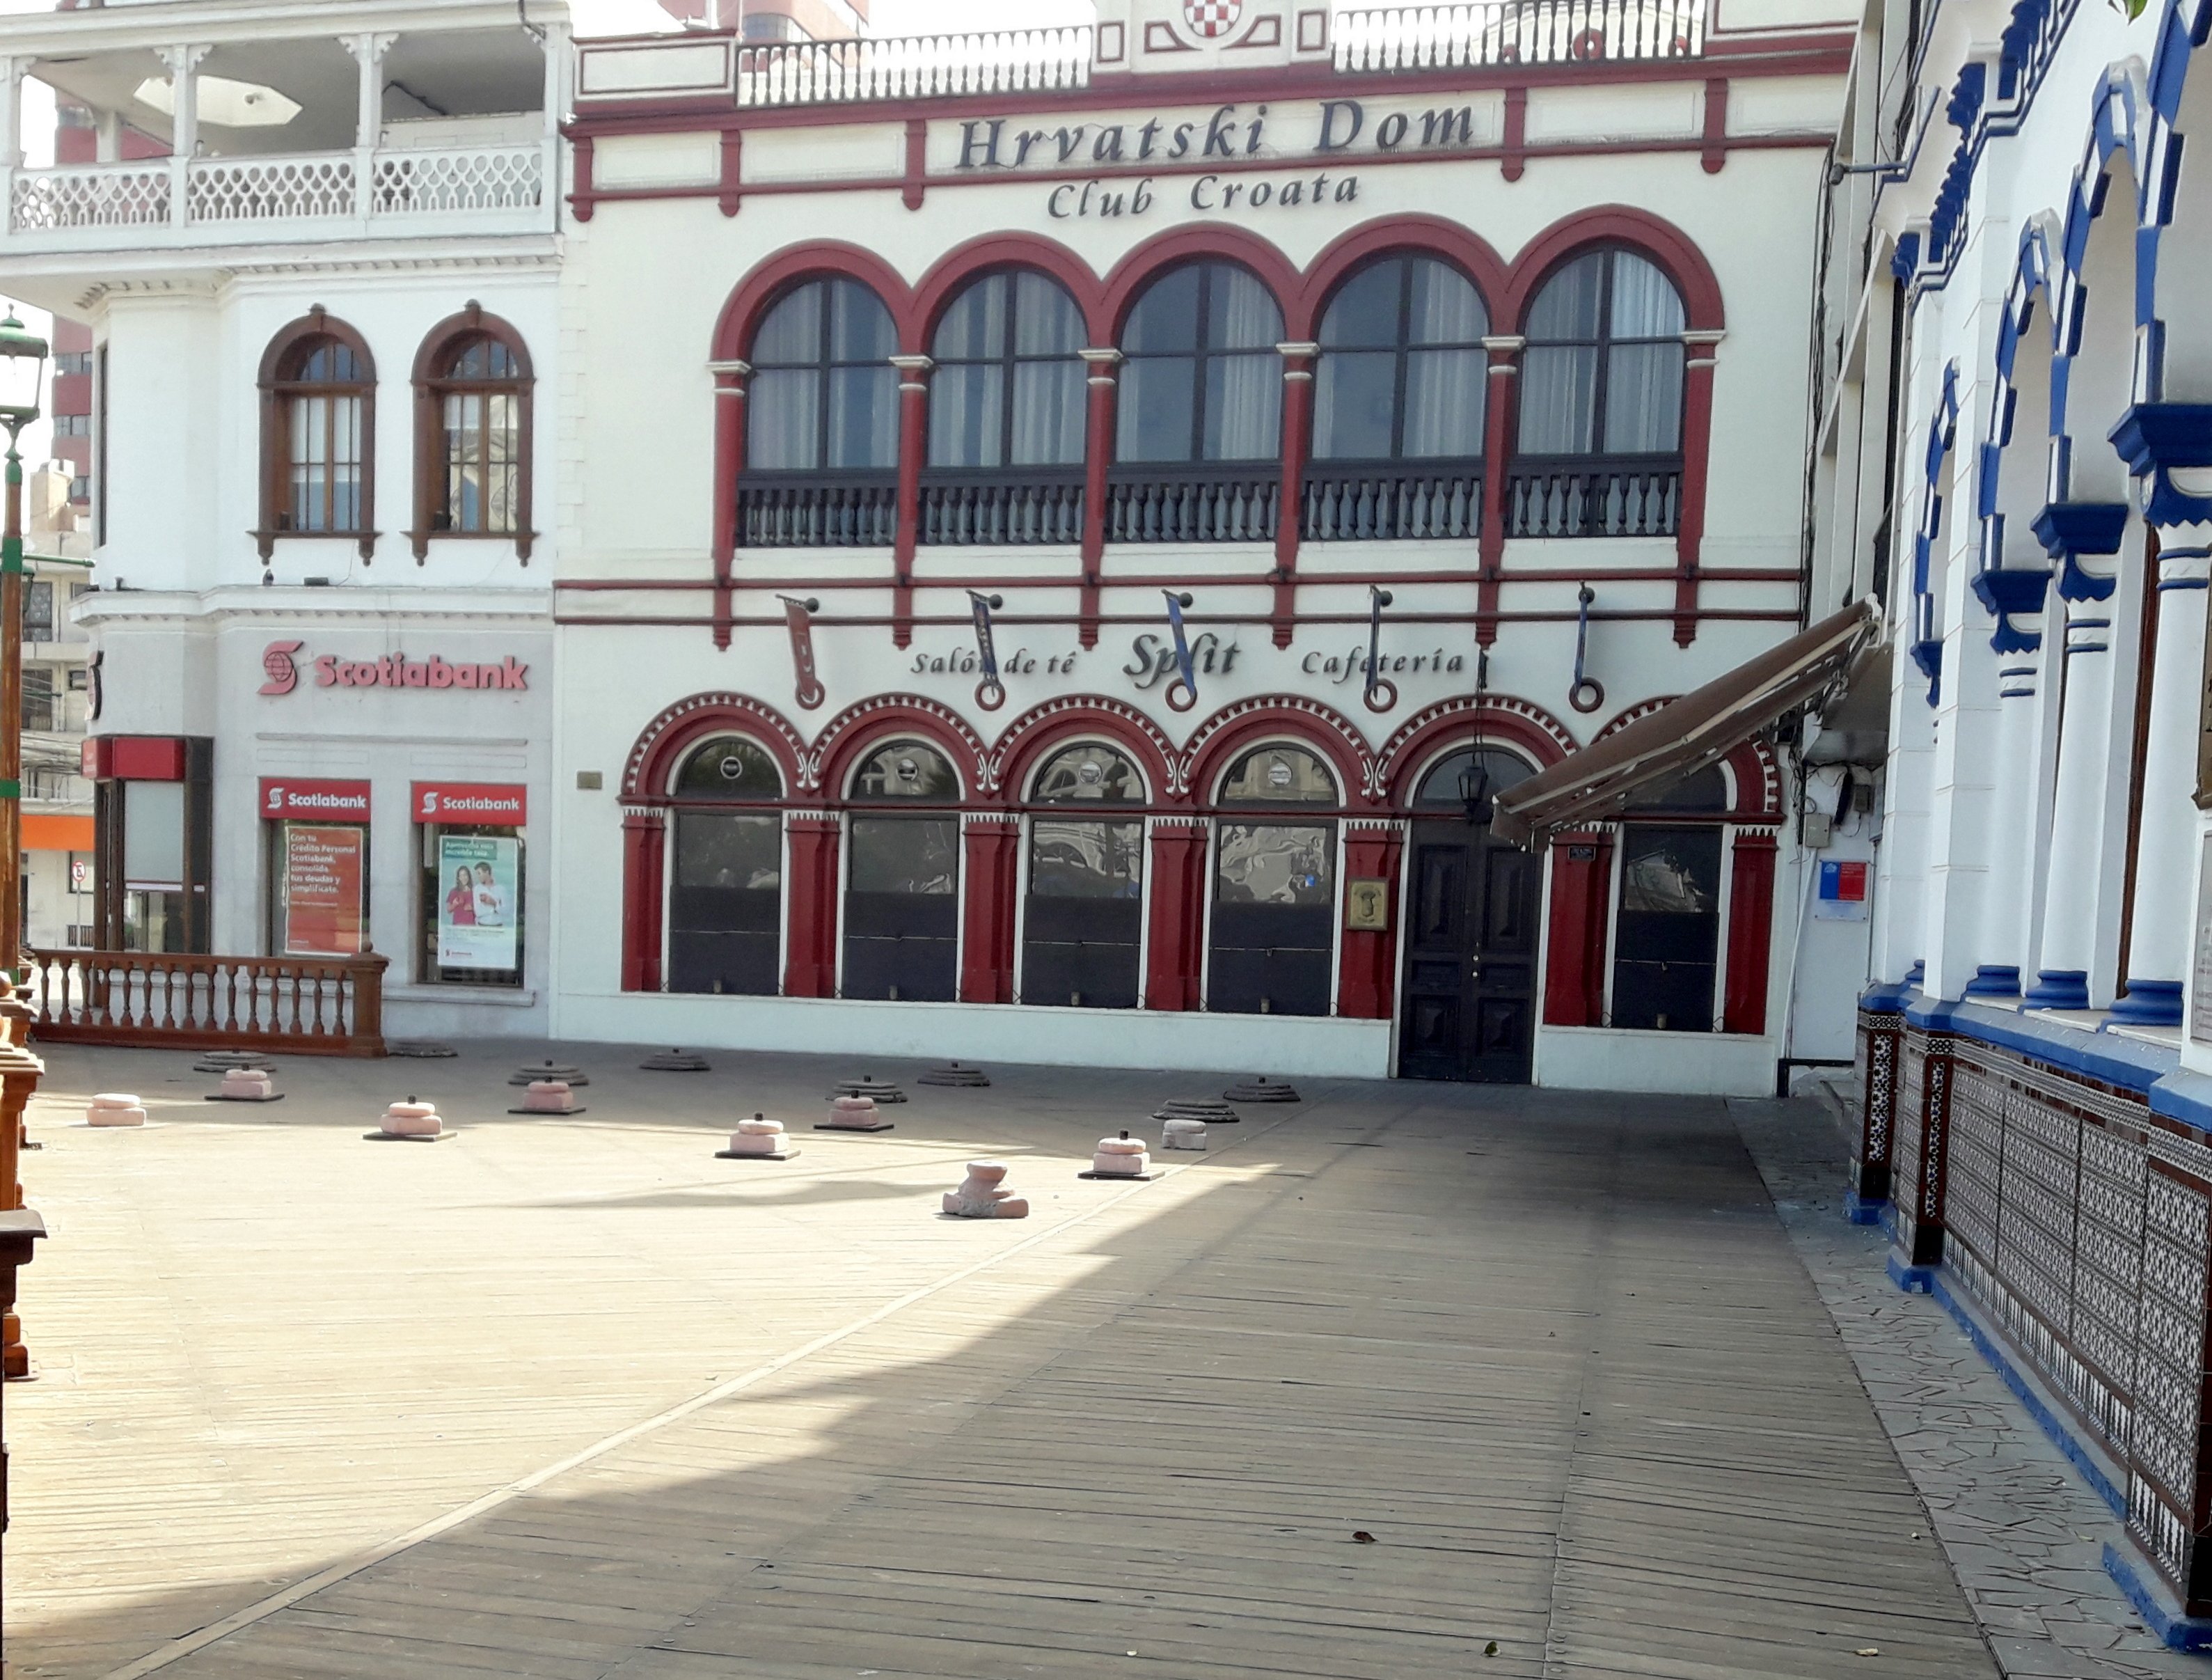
324, 869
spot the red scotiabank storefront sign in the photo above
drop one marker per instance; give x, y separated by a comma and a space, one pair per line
328, 801
281, 662
495, 804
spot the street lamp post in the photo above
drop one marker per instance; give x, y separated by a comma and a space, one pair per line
23, 377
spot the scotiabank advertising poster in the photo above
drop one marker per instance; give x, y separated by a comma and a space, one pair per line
477, 903
324, 869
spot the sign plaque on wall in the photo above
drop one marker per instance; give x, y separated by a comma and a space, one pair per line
1367, 906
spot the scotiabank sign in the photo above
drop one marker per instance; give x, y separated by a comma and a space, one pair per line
332, 801
500, 805
281, 662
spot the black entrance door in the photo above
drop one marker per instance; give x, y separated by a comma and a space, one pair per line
1470, 993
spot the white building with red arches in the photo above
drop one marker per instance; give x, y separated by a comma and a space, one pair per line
2014, 445
1102, 545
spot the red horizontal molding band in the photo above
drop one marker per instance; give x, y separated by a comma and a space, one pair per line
945, 621
1253, 581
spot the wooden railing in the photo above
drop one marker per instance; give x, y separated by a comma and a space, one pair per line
1592, 496
1347, 501
1211, 501
818, 510
1014, 506
299, 1006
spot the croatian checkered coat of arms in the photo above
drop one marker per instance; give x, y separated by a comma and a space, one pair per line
1210, 18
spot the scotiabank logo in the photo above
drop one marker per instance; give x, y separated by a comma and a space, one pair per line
280, 663
345, 801
498, 803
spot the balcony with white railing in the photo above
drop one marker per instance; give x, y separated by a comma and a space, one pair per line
365, 133
1382, 40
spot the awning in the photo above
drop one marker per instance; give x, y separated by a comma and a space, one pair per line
1685, 735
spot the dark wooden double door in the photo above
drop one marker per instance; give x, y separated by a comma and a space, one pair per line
1470, 1001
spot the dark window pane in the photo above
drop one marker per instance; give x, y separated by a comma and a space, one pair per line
1047, 419
1567, 308
1643, 399
1279, 776
1241, 312
863, 416
913, 855
967, 415
732, 767
1276, 863
791, 334
906, 771
783, 430
1085, 859
729, 853
973, 326
1088, 775
1243, 407
1645, 304
1447, 786
1046, 320
1444, 307
1155, 414
1165, 319
1365, 312
1355, 400
1444, 402
860, 328
1559, 400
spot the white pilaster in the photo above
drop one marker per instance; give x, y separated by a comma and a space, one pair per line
2070, 897
368, 51
183, 67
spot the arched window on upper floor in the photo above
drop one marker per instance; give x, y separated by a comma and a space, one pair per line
317, 434
1398, 391
1200, 434
1005, 415
472, 433
1599, 445
822, 426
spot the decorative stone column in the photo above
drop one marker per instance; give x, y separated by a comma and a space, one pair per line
2168, 447
810, 945
1298, 443
730, 412
912, 450
645, 851
1499, 423
1176, 953
992, 842
2071, 532
183, 63
1367, 967
1103, 382
368, 51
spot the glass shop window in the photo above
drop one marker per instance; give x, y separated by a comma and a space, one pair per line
154, 900
1274, 893
1666, 938
1083, 921
472, 905
726, 887
902, 877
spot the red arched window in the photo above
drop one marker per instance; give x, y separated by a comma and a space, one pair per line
317, 434
472, 433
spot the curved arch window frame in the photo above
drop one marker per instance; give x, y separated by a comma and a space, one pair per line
677, 794
1604, 343
1403, 347
435, 387
1007, 359
826, 365
1415, 786
875, 748
1051, 755
1244, 755
282, 391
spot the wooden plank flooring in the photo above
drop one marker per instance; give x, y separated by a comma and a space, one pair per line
1553, 1352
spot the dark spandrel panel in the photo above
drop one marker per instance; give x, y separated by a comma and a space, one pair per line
1087, 975
909, 969
737, 964
1286, 980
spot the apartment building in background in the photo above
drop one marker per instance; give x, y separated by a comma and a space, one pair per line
777, 19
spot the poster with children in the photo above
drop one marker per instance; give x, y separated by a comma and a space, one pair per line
478, 911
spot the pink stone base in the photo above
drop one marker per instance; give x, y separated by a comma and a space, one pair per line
980, 1197
102, 1113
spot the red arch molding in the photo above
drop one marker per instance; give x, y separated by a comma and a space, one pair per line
1673, 250
1503, 718
1229, 730
1429, 235
734, 330
665, 741
829, 763
963, 264
1024, 743
1195, 242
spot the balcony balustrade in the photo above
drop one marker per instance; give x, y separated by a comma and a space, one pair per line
1212, 502
1637, 496
1387, 501
1011, 507
818, 510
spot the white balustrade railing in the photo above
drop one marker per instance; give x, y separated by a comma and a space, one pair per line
1517, 31
108, 195
264, 189
105, 201
914, 66
504, 178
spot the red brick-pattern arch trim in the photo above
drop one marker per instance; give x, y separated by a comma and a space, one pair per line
1229, 731
665, 741
1504, 719
829, 761
1022, 744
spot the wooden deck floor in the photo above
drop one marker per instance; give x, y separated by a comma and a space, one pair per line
573, 1399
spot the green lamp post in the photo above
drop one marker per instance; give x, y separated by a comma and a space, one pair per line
22, 381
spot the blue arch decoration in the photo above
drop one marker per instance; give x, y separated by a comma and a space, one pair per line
2013, 593
1942, 434
2113, 127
